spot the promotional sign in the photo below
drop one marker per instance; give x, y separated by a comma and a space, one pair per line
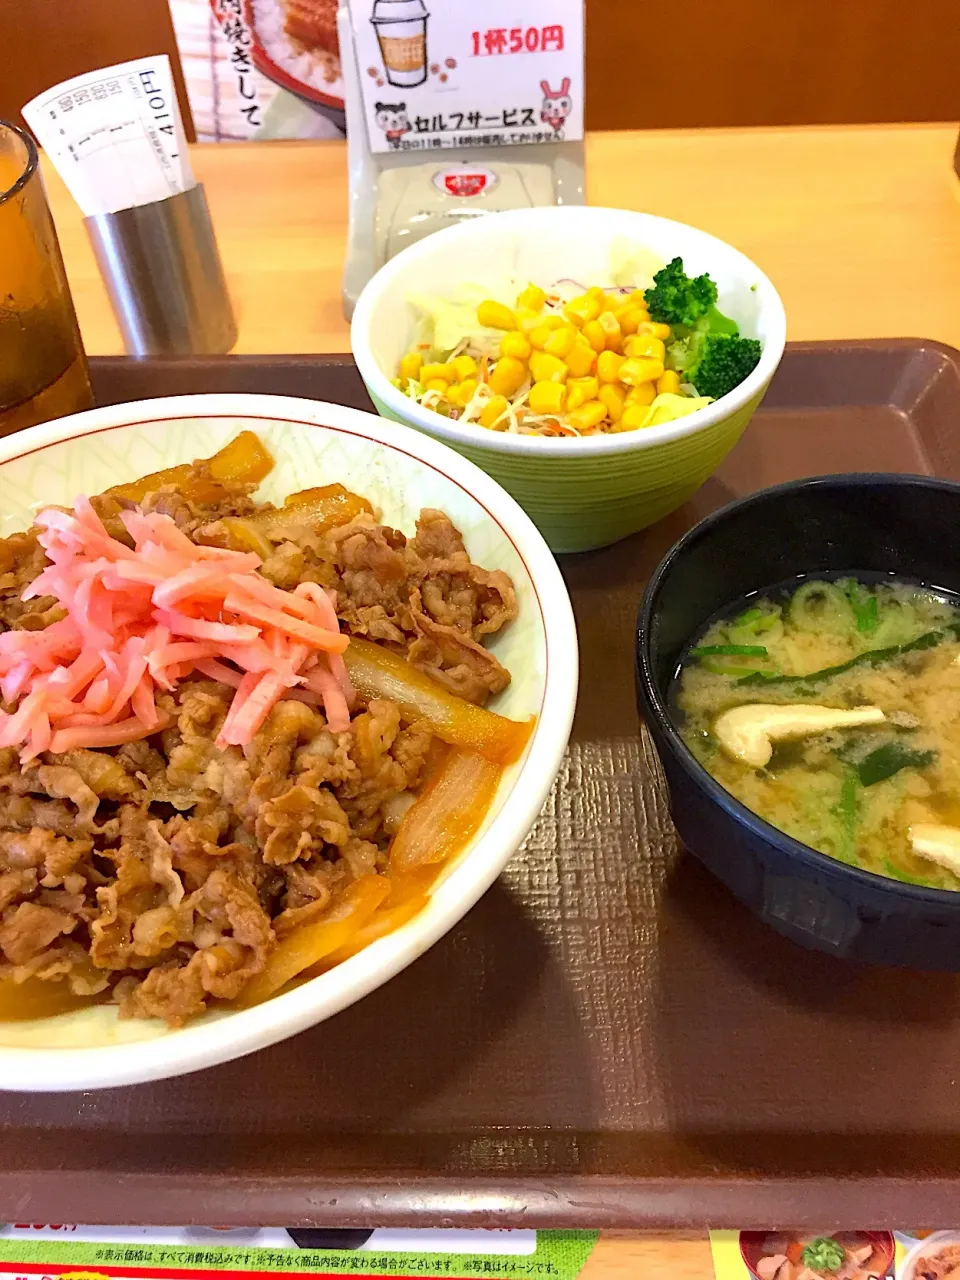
437, 74
260, 69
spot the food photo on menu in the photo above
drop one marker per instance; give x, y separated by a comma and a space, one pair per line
836, 1255
261, 69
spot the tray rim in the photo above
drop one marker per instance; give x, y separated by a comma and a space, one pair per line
341, 358
565, 1202
747, 1198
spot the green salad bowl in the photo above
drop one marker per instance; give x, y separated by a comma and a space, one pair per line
586, 492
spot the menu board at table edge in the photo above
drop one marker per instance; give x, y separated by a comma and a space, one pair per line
895, 1255
71, 1252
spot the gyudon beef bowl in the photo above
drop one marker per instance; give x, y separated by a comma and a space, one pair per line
281, 691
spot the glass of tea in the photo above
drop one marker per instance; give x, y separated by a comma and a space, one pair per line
43, 369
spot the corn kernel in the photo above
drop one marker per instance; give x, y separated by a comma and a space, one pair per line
588, 415
526, 318
610, 325
495, 408
532, 298
598, 295
463, 367
464, 392
594, 334
516, 345
581, 359
637, 299
437, 384
539, 334
548, 397
494, 315
580, 390
609, 365
661, 331
411, 364
634, 416
643, 395
547, 368
628, 317
429, 372
642, 344
613, 397
507, 376
582, 309
637, 369
561, 341
668, 383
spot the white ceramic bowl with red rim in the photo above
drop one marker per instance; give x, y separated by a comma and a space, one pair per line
401, 471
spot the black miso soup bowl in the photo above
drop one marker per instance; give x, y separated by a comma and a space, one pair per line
903, 525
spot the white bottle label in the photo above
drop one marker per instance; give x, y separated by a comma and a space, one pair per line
465, 181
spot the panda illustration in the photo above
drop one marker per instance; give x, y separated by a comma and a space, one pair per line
391, 117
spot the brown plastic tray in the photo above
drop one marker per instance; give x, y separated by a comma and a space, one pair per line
608, 1039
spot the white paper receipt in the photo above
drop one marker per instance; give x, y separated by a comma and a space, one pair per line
436, 74
115, 135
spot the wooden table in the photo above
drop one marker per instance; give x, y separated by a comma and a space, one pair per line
859, 228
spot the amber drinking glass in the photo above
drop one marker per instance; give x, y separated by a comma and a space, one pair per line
43, 369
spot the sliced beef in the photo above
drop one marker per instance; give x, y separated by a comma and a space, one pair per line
167, 869
29, 929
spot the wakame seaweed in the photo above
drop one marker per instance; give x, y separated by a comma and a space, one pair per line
731, 650
888, 759
872, 657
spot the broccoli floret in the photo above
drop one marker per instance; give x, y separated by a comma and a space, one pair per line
683, 353
675, 298
724, 360
706, 349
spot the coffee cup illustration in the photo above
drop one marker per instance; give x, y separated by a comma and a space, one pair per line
401, 27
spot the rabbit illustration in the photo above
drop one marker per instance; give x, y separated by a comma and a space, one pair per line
557, 105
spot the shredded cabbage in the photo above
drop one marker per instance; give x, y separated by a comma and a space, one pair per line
667, 407
633, 267
449, 322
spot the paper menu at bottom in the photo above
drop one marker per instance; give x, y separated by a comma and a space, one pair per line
69, 1252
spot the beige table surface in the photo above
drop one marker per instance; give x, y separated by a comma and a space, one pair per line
859, 229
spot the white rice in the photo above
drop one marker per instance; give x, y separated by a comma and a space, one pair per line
321, 71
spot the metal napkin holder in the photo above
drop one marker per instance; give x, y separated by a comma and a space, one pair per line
164, 276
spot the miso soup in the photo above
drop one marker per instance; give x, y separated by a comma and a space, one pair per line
831, 708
